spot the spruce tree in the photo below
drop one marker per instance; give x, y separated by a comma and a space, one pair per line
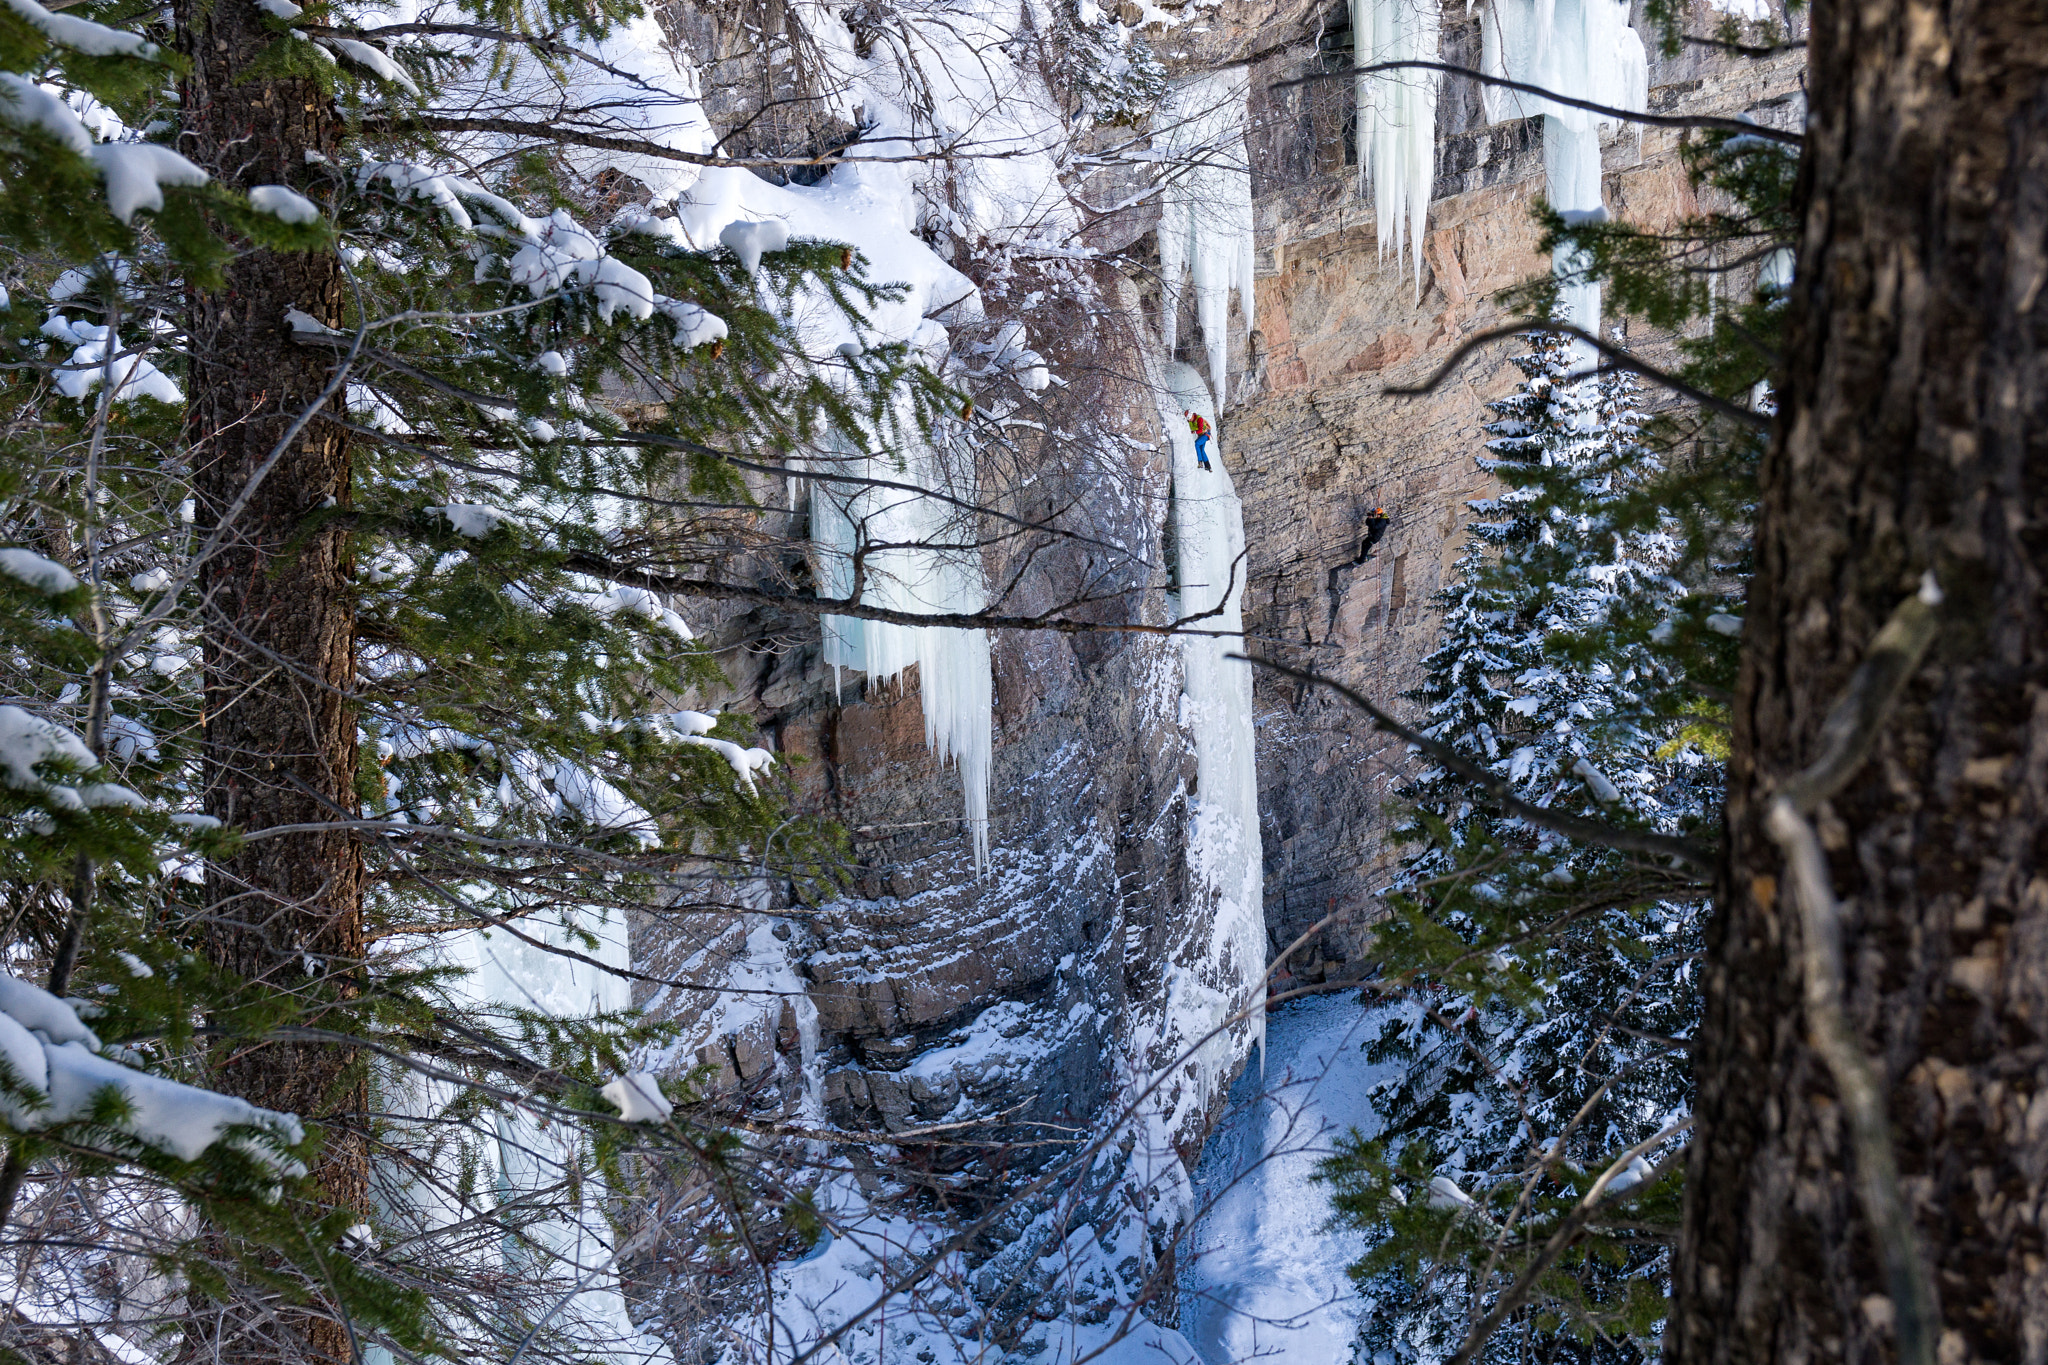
324, 647
1518, 952
1548, 980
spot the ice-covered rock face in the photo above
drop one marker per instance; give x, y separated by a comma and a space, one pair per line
1134, 859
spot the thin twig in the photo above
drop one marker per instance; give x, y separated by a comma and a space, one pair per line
1694, 855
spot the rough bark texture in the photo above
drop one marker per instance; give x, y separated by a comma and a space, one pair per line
280, 734
1915, 437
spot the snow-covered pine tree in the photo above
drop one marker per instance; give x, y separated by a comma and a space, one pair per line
1550, 978
325, 532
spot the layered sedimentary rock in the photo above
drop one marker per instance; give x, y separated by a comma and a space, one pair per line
1318, 442
1040, 995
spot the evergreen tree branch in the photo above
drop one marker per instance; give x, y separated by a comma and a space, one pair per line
1621, 358
1575, 1222
1694, 855
1728, 125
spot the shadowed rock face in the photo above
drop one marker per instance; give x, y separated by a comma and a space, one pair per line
1028, 993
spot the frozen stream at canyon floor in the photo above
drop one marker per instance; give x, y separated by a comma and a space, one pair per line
1267, 1279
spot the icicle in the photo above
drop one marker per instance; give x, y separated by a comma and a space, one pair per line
1397, 117
954, 670
1205, 223
1584, 49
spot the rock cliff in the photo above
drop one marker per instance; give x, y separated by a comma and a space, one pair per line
1032, 999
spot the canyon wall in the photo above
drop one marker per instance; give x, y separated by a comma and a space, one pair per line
1034, 997
1317, 442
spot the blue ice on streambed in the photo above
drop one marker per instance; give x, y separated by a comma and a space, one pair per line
1267, 1276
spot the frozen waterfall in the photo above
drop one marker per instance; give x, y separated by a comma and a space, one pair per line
922, 573
1205, 219
524, 1158
1216, 707
1265, 1281
1584, 49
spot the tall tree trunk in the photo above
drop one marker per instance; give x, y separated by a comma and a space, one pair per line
1913, 436
280, 730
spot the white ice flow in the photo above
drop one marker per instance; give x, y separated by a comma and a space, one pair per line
1205, 216
523, 1156
1584, 49
1397, 116
1266, 1281
1216, 707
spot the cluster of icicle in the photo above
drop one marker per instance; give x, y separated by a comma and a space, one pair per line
1397, 116
1584, 49
1205, 222
932, 569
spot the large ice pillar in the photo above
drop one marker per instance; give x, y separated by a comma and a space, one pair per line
930, 566
1205, 219
1216, 699
1584, 49
1397, 116
569, 1258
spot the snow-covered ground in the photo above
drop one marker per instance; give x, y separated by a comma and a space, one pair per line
1267, 1276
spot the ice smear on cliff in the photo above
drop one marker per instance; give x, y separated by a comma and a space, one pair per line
1216, 708
1397, 116
1205, 221
1584, 49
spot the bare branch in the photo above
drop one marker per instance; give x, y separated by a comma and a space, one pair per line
1696, 856
634, 146
1743, 49
1730, 125
1621, 359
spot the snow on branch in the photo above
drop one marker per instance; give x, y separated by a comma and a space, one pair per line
1696, 856
51, 1073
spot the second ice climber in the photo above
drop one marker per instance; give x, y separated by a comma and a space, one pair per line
1375, 527
1198, 425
